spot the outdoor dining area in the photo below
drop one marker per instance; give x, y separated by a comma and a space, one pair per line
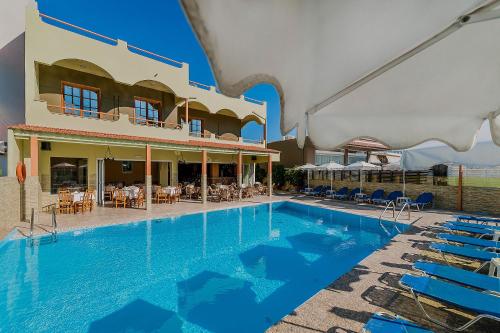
73, 202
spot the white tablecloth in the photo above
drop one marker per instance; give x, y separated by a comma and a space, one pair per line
170, 190
78, 196
131, 192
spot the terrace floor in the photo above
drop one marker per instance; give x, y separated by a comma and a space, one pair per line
347, 303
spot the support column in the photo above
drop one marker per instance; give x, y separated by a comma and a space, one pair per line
204, 176
187, 113
239, 169
459, 187
148, 191
270, 175
32, 188
346, 156
265, 134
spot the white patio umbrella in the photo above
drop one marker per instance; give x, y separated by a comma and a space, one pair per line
332, 166
361, 166
307, 167
386, 63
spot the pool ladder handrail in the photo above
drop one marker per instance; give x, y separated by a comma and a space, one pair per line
54, 225
392, 205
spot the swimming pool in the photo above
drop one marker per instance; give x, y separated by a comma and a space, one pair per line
234, 270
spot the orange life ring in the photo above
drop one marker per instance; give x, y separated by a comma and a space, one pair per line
20, 172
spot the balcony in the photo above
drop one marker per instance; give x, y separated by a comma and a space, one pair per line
58, 116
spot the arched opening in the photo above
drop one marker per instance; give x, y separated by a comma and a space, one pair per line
253, 129
83, 66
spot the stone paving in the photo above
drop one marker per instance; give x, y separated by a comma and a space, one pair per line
347, 303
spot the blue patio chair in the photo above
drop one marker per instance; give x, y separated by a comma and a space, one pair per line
341, 194
484, 304
422, 200
381, 322
325, 190
466, 252
477, 219
462, 276
317, 190
353, 193
474, 225
376, 195
478, 231
489, 244
391, 197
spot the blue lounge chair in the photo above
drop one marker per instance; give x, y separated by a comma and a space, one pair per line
474, 225
353, 193
340, 194
477, 219
376, 195
383, 323
422, 200
484, 304
469, 240
461, 276
477, 231
317, 190
325, 190
467, 252
391, 197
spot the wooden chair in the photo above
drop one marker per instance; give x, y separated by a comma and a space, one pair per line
120, 198
89, 202
65, 202
81, 206
139, 200
161, 196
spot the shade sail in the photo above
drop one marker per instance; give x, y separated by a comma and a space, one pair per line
482, 155
307, 167
345, 64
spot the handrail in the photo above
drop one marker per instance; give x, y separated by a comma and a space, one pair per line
406, 204
79, 28
114, 40
32, 223
390, 204
54, 223
253, 100
152, 123
100, 115
199, 85
154, 54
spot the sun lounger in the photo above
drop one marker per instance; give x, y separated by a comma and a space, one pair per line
484, 304
469, 240
341, 194
391, 197
376, 195
466, 252
461, 276
477, 231
353, 193
422, 200
477, 219
317, 190
474, 225
383, 323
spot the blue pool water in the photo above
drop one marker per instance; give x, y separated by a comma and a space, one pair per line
235, 270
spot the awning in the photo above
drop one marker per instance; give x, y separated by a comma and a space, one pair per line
483, 155
401, 72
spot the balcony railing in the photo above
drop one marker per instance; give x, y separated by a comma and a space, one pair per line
199, 135
82, 113
153, 123
259, 141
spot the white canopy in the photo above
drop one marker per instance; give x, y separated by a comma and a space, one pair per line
401, 72
363, 166
483, 155
307, 167
332, 166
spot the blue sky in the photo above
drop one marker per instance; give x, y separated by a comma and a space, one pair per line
161, 27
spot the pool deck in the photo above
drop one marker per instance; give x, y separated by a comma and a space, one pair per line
347, 303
